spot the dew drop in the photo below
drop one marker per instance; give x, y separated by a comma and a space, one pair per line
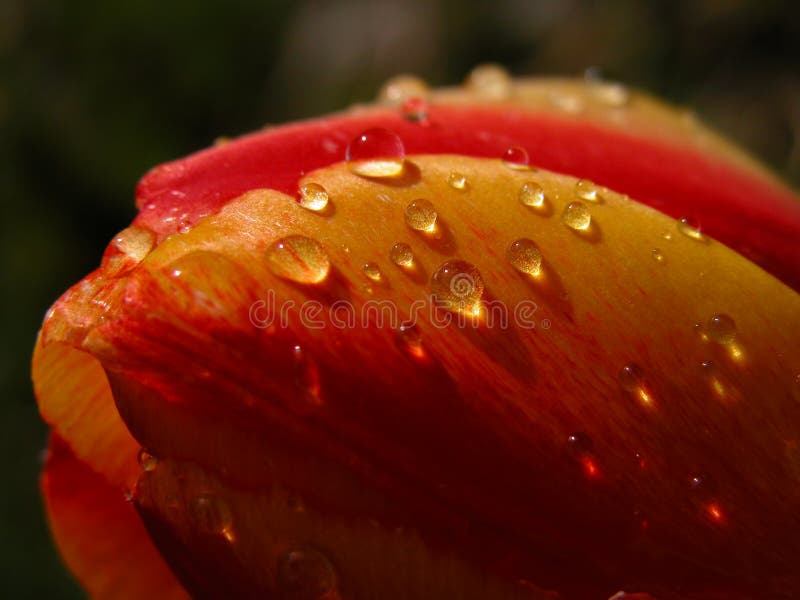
376, 153
657, 255
127, 250
305, 574
721, 329
632, 380
372, 271
298, 258
580, 443
211, 514
690, 227
577, 216
525, 257
421, 215
399, 89
490, 81
516, 158
458, 286
313, 197
666, 235
402, 255
410, 340
531, 194
415, 109
148, 462
717, 382
457, 181
587, 190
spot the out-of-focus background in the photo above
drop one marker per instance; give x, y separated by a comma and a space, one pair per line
92, 94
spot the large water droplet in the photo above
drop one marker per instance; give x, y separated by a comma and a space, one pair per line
313, 197
690, 227
298, 258
721, 329
525, 257
457, 181
148, 462
531, 194
210, 513
516, 158
128, 248
421, 215
372, 271
577, 216
458, 286
587, 190
490, 81
402, 255
377, 153
399, 89
305, 574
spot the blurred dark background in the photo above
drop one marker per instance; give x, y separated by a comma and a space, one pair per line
92, 94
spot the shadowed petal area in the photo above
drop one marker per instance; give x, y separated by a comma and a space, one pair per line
99, 534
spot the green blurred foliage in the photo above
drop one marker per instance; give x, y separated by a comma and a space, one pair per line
92, 94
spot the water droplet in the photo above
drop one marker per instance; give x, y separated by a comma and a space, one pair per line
525, 257
399, 89
666, 235
611, 94
721, 329
402, 255
587, 190
127, 250
211, 514
457, 181
531, 194
148, 462
490, 81
580, 443
690, 227
377, 153
305, 574
307, 380
632, 380
717, 382
313, 196
657, 255
569, 103
458, 286
577, 216
298, 258
415, 109
421, 215
516, 158
410, 340
372, 271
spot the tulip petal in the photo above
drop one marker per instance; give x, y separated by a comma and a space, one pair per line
100, 535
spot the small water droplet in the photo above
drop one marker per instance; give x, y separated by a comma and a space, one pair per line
632, 380
612, 94
211, 514
307, 380
657, 255
666, 235
717, 382
587, 190
305, 574
525, 257
580, 443
516, 158
490, 81
127, 250
148, 462
410, 340
531, 194
458, 286
313, 197
372, 271
721, 329
457, 181
568, 103
376, 153
298, 258
577, 216
402, 255
399, 89
421, 215
415, 109
690, 227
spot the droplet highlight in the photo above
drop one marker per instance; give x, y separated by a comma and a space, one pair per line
377, 153
458, 286
516, 158
690, 227
373, 272
402, 255
587, 190
313, 197
531, 194
631, 379
721, 329
421, 215
577, 216
298, 258
525, 257
457, 181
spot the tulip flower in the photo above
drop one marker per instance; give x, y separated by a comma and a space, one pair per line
521, 339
